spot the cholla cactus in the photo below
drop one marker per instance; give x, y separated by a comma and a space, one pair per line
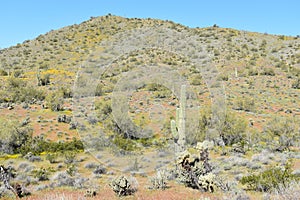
206, 182
195, 171
121, 186
178, 125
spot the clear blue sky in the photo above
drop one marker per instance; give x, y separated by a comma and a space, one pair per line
26, 19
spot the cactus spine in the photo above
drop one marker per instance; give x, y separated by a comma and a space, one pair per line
178, 125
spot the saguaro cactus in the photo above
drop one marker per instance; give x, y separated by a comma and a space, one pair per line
178, 125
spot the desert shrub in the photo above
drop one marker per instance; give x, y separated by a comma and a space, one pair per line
32, 158
71, 169
246, 104
103, 109
38, 144
70, 157
27, 94
55, 101
223, 77
155, 87
66, 92
283, 132
43, 79
13, 136
159, 181
252, 71
99, 90
17, 73
296, 84
61, 179
162, 94
270, 179
268, 71
3, 72
196, 80
99, 170
124, 143
18, 91
41, 174
91, 165
52, 157
204, 124
232, 129
290, 192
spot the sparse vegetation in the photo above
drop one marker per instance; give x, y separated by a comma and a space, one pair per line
251, 141
270, 179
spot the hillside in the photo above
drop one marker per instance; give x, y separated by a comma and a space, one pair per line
122, 77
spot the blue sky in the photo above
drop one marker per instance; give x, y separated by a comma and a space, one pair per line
26, 19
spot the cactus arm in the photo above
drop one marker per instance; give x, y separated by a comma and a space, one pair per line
174, 129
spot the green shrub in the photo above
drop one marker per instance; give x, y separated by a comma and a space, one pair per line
38, 144
124, 143
13, 136
232, 129
296, 84
99, 90
52, 157
41, 174
55, 101
3, 72
103, 109
246, 104
71, 169
223, 77
43, 79
268, 72
70, 157
196, 80
17, 73
18, 91
270, 179
252, 71
66, 91
283, 132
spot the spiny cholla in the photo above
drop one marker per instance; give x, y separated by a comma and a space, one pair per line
122, 186
195, 171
